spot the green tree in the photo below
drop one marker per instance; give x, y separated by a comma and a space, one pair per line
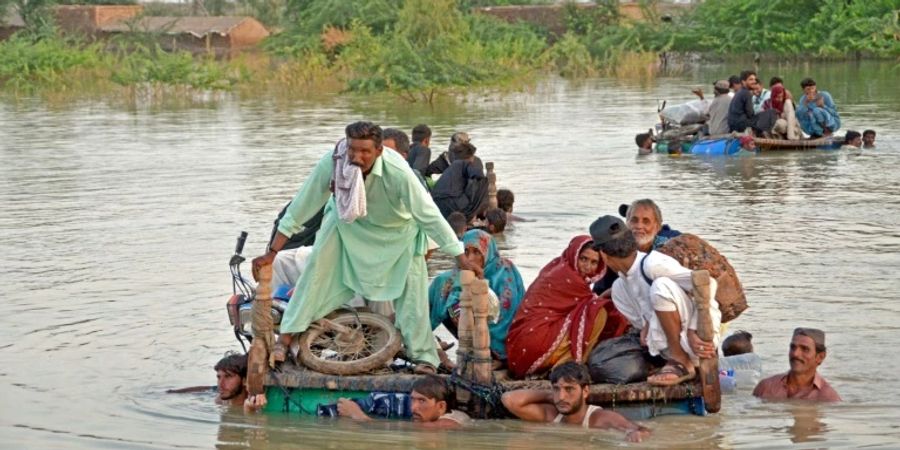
37, 15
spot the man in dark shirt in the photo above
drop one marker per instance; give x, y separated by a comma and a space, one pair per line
419, 153
740, 112
463, 186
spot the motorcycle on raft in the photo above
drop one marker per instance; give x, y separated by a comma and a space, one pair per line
346, 342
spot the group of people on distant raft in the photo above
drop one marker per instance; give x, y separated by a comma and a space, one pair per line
375, 224
742, 105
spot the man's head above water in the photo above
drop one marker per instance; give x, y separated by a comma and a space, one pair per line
431, 399
230, 374
807, 350
570, 383
364, 140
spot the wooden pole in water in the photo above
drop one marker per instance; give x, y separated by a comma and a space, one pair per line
464, 329
709, 367
259, 357
492, 184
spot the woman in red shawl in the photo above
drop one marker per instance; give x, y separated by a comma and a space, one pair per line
786, 125
560, 319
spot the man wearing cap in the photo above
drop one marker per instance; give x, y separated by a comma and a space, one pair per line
803, 381
718, 109
652, 292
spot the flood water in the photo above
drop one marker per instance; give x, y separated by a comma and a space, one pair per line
117, 224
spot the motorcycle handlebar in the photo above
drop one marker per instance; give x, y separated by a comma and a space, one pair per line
239, 248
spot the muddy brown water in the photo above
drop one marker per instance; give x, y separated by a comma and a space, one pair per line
117, 224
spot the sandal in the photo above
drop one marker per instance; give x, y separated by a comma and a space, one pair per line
681, 373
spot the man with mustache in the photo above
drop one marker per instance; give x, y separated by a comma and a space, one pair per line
567, 403
644, 219
372, 241
431, 402
802, 382
231, 371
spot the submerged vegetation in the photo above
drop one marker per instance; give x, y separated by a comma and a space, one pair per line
420, 48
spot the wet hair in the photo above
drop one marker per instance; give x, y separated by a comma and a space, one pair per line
807, 82
674, 147
869, 132
459, 137
745, 75
851, 135
365, 131
647, 203
464, 150
434, 387
572, 372
620, 245
505, 199
738, 343
640, 138
458, 222
233, 362
400, 138
733, 80
775, 80
420, 133
497, 218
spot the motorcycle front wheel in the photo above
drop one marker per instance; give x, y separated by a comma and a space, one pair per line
349, 344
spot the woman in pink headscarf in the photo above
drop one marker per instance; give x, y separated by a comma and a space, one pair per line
560, 318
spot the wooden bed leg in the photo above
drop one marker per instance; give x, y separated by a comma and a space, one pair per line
258, 358
465, 328
492, 184
709, 367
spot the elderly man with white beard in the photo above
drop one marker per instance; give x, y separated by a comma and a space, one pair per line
644, 219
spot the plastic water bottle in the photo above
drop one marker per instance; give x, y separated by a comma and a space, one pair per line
727, 382
745, 369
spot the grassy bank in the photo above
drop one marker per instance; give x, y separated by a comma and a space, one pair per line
419, 49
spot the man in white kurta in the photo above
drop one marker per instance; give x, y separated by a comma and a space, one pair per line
638, 301
652, 290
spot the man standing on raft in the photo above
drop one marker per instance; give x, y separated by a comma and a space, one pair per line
372, 241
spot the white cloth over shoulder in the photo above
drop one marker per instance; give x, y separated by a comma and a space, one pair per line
349, 187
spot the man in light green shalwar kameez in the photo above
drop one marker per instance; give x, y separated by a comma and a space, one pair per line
380, 256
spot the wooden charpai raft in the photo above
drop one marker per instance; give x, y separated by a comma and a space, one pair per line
291, 388
298, 389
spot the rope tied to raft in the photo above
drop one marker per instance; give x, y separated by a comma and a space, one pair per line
490, 394
287, 394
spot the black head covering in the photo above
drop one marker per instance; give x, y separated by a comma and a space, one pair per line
607, 228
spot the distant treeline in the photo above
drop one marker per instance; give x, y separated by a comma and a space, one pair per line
419, 48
